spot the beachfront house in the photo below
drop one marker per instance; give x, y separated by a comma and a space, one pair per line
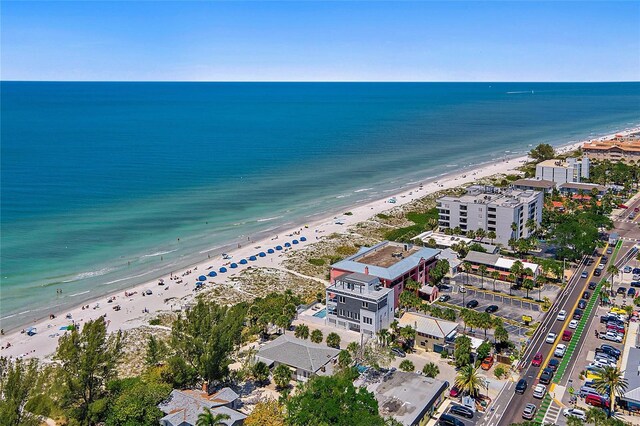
563, 171
571, 189
304, 358
432, 334
360, 303
183, 407
621, 148
494, 262
409, 398
492, 209
392, 263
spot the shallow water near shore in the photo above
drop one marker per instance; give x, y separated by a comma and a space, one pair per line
105, 185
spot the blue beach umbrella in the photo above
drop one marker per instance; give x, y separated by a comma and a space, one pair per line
243, 261
253, 258
287, 244
223, 269
213, 273
295, 241
271, 251
262, 254
202, 278
303, 238
233, 265
278, 247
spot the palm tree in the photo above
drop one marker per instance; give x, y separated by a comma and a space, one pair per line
514, 229
430, 369
316, 336
539, 282
481, 233
491, 235
207, 418
467, 268
282, 376
468, 380
483, 270
413, 286
532, 226
528, 285
302, 331
611, 380
495, 275
596, 416
383, 337
613, 270
574, 421
512, 278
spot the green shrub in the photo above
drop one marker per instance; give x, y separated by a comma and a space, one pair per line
348, 214
155, 321
346, 250
317, 262
500, 371
383, 216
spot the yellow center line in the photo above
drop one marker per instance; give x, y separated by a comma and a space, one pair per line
569, 318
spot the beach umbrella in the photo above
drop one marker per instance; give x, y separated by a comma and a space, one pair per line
223, 269
199, 284
278, 247
213, 273
202, 278
262, 254
287, 244
233, 265
303, 238
295, 241
243, 261
271, 251
253, 258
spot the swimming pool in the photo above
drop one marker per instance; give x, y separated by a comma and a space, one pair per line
321, 314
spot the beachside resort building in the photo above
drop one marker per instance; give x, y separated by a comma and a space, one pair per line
432, 334
183, 407
303, 357
563, 171
409, 398
360, 303
571, 189
494, 262
392, 263
444, 241
492, 209
621, 148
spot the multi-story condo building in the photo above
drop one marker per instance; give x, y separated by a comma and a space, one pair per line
359, 302
561, 171
392, 263
621, 148
492, 209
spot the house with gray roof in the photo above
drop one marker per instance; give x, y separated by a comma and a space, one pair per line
183, 407
303, 357
392, 263
432, 334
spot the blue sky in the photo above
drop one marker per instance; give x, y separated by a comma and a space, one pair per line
321, 41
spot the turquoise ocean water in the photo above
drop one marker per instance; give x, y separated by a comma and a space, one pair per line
99, 180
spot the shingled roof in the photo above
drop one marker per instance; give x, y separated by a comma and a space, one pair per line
297, 353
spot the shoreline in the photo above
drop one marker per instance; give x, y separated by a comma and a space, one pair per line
164, 298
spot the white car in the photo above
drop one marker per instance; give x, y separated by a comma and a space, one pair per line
560, 350
603, 362
562, 315
573, 324
539, 391
551, 337
611, 336
575, 412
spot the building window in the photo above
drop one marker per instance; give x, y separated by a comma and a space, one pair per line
365, 305
341, 299
367, 320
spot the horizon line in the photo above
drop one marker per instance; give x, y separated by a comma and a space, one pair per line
320, 81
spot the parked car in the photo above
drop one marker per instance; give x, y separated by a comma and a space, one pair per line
621, 290
592, 286
609, 250
612, 336
454, 392
636, 271
546, 376
539, 391
537, 360
631, 292
487, 363
575, 412
596, 401
615, 327
627, 269
521, 386
577, 314
597, 272
560, 350
491, 309
398, 352
472, 303
562, 315
573, 324
582, 304
444, 298
586, 295
609, 350
551, 337
567, 335
459, 410
636, 277
448, 420
634, 284
584, 274
529, 411
553, 364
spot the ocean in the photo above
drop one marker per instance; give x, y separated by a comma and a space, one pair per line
106, 185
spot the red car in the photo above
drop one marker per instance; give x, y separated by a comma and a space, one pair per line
622, 206
537, 360
454, 392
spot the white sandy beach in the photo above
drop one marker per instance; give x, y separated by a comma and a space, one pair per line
137, 310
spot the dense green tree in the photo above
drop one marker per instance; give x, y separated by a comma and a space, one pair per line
431, 369
491, 235
501, 334
260, 372
484, 321
468, 380
333, 400
484, 350
208, 418
542, 152
527, 284
179, 373
344, 359
407, 365
316, 336
282, 376
333, 340
462, 351
155, 350
610, 380
302, 331
87, 361
134, 401
17, 380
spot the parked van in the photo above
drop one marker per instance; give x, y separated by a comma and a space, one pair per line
596, 401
